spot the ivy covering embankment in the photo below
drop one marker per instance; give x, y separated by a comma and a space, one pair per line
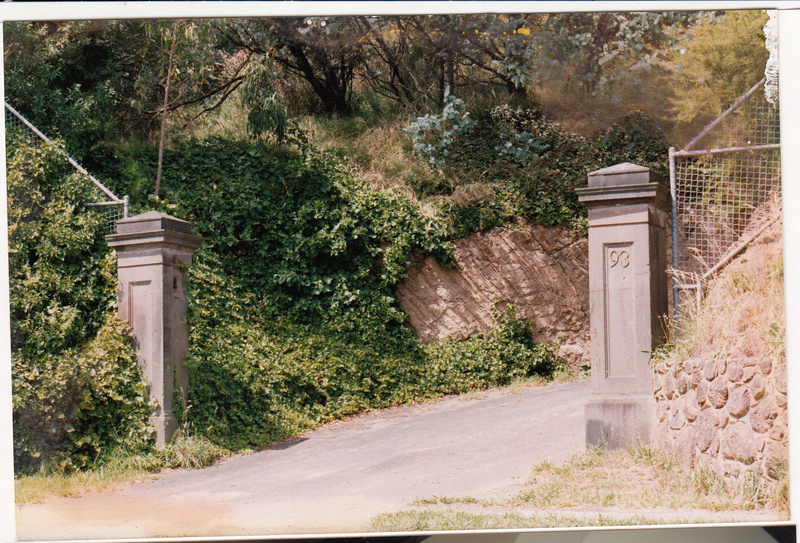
77, 392
293, 320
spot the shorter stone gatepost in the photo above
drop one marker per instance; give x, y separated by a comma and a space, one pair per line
153, 250
628, 289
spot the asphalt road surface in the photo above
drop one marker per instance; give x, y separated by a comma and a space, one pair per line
334, 480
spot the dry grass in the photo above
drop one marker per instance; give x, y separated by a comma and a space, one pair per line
742, 313
378, 150
636, 478
38, 487
567, 105
636, 486
188, 451
451, 520
642, 478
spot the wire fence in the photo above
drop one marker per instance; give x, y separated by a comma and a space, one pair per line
104, 202
724, 183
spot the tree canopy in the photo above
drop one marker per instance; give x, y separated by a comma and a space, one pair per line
90, 81
101, 81
98, 80
722, 57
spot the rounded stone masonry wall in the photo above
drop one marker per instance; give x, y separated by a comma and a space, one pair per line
728, 415
724, 404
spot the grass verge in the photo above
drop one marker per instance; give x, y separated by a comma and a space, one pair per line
120, 468
635, 486
450, 520
639, 477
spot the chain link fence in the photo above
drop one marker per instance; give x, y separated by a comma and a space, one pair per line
103, 201
724, 183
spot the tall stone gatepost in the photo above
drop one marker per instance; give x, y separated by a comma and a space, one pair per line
153, 250
628, 288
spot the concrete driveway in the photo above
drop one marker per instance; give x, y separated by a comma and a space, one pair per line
334, 480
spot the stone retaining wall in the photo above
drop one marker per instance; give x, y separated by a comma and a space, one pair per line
542, 271
725, 414
724, 406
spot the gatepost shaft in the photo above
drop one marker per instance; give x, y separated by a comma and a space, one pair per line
628, 299
153, 250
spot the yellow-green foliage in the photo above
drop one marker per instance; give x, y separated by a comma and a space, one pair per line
717, 62
73, 407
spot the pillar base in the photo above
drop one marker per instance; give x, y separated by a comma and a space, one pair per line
166, 426
615, 421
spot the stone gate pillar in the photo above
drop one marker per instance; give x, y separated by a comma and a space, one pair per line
153, 249
628, 292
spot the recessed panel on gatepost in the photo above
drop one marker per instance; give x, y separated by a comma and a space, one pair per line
620, 300
140, 317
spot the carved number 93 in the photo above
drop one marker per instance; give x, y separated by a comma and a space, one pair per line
619, 257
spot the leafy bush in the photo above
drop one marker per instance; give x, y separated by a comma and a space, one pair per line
506, 353
70, 409
436, 136
76, 385
257, 378
529, 167
63, 79
638, 139
61, 277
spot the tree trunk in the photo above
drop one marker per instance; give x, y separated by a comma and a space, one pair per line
162, 136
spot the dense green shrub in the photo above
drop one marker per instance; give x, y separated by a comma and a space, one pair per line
72, 408
636, 138
506, 353
257, 378
529, 167
67, 85
61, 273
77, 391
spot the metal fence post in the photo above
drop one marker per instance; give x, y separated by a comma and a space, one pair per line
673, 191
